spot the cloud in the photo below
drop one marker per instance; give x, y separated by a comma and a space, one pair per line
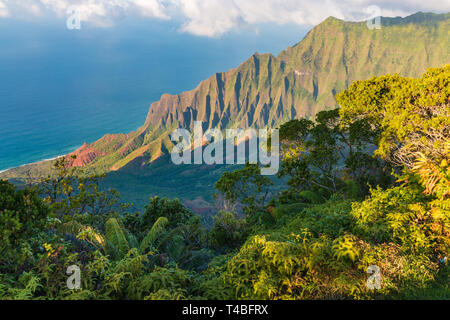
106, 12
210, 18
97, 12
151, 8
4, 12
215, 17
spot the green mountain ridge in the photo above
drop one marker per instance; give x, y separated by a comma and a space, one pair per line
267, 90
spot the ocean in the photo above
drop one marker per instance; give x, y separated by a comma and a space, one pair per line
60, 88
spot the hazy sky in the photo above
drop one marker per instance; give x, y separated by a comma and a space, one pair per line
213, 18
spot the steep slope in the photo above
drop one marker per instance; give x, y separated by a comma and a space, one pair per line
266, 90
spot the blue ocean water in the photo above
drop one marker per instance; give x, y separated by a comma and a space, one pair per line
60, 88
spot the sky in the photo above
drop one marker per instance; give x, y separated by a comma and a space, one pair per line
214, 18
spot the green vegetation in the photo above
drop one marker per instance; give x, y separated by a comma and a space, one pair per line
367, 185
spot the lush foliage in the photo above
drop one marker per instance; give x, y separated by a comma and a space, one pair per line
367, 187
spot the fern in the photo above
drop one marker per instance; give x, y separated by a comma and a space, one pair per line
156, 231
116, 236
83, 232
432, 176
344, 248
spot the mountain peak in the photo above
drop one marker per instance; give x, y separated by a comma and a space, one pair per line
331, 19
419, 18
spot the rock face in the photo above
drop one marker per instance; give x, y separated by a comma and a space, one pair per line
303, 79
85, 155
267, 90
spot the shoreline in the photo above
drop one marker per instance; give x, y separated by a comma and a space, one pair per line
31, 163
43, 160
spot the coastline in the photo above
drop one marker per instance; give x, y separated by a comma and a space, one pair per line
31, 163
